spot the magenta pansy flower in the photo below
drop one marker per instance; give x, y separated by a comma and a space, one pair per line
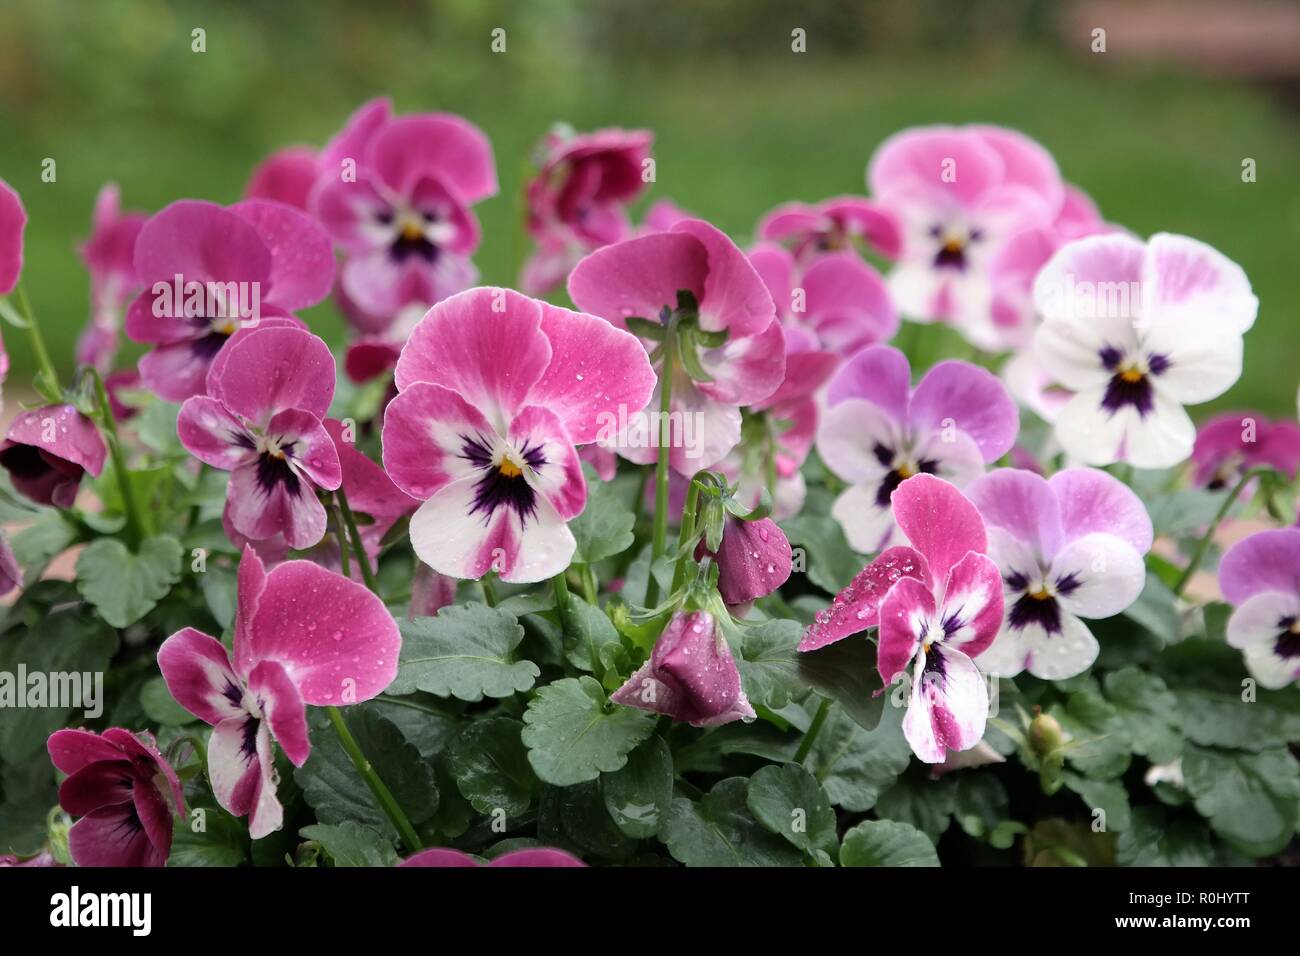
959, 194
812, 229
642, 277
1069, 547
109, 255
691, 675
535, 856
404, 219
48, 450
578, 200
303, 635
1260, 576
754, 559
495, 390
125, 792
1231, 444
262, 421
878, 432
1138, 330
286, 176
255, 262
13, 220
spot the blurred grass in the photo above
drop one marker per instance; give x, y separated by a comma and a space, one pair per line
112, 91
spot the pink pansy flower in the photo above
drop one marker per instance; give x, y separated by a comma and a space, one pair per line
662, 215
754, 559
109, 255
495, 390
642, 278
47, 450
404, 218
1260, 575
1231, 444
878, 432
256, 256
1137, 330
810, 230
302, 636
959, 193
286, 176
125, 793
13, 220
691, 675
536, 856
262, 421
578, 200
1069, 547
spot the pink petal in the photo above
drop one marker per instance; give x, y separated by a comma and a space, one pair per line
62, 432
439, 144
425, 429
274, 369
13, 219
440, 857
734, 298
745, 370
212, 435
286, 176
282, 707
1265, 561
639, 277
959, 395
559, 479
1092, 500
847, 303
948, 707
880, 375
905, 614
197, 670
200, 241
1021, 503
923, 161
537, 856
353, 140
775, 267
972, 604
71, 750
103, 783
112, 836
302, 260
857, 607
1184, 276
939, 521
313, 451
259, 511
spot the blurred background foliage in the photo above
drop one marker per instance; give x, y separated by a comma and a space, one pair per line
111, 90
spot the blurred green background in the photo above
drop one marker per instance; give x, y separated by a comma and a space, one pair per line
112, 91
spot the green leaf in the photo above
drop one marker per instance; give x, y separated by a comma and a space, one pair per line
769, 662
156, 427
40, 543
1156, 609
160, 706
915, 799
576, 818
574, 733
124, 587
856, 765
981, 803
1097, 747
638, 796
220, 586
593, 630
832, 564
490, 764
1151, 841
1225, 720
1109, 796
1251, 799
846, 673
790, 802
209, 836
1185, 511
27, 793
1147, 711
886, 843
719, 830
351, 844
604, 528
464, 652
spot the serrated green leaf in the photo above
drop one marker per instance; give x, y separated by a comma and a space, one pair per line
490, 764
769, 662
160, 706
604, 528
209, 836
789, 801
832, 564
719, 830
124, 587
638, 796
1148, 711
465, 652
574, 733
1098, 747
1152, 841
887, 843
856, 765
1251, 799
351, 844
925, 804
1213, 719
40, 543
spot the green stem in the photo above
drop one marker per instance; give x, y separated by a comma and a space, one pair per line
685, 532
589, 588
489, 590
1204, 546
344, 561
43, 363
358, 547
564, 608
387, 802
135, 528
810, 737
659, 537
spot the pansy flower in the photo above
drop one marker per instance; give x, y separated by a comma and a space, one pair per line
109, 255
959, 193
1069, 547
303, 635
1260, 576
1138, 330
262, 421
1231, 444
48, 450
754, 559
878, 432
495, 390
540, 856
732, 353
578, 200
13, 220
125, 792
250, 264
286, 176
662, 215
691, 675
404, 218
813, 229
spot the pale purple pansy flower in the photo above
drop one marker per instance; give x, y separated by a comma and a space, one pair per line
109, 255
245, 266
1138, 330
753, 557
286, 176
530, 857
1231, 444
833, 225
1260, 576
578, 200
262, 421
878, 431
403, 218
303, 635
691, 675
125, 792
641, 278
959, 193
13, 220
495, 390
48, 450
1069, 547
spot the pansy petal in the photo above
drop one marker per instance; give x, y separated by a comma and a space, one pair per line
155, 816
1185, 277
868, 524
303, 439
61, 431
939, 521
922, 159
857, 607
857, 440
1097, 575
847, 303
972, 604
440, 857
734, 297
879, 374
1272, 670
273, 369
263, 502
233, 766
199, 241
13, 220
70, 750
266, 815
639, 277
1094, 278
558, 474
1202, 359
905, 613
112, 836
99, 784
949, 705
1091, 500
197, 670
441, 144
745, 370
1262, 618
302, 259
286, 176
956, 394
278, 700
537, 856
426, 428
214, 436
1070, 351
1022, 504
1265, 561
176, 372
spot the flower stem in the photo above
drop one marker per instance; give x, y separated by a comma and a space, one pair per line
1204, 546
589, 588
809, 738
659, 537
135, 528
358, 547
489, 590
684, 533
387, 802
49, 377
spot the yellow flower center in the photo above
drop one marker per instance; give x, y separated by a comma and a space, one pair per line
412, 231
509, 468
1131, 374
1041, 594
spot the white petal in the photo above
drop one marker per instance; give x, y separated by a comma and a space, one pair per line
867, 526
1106, 572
